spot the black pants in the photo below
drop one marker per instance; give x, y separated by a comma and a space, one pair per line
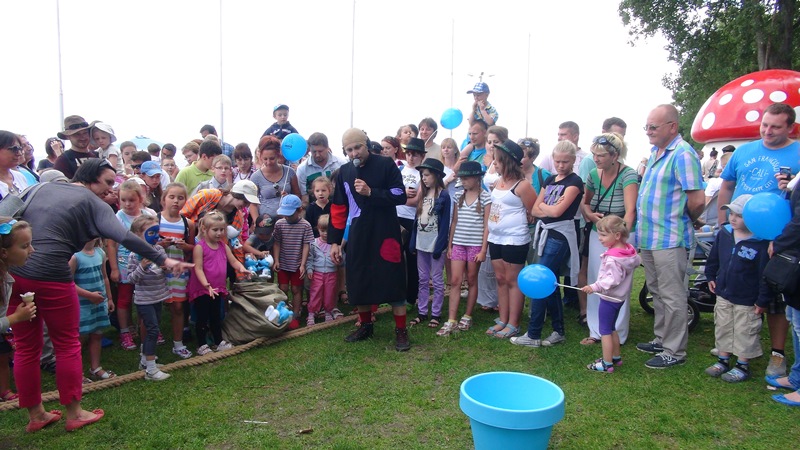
207, 311
412, 275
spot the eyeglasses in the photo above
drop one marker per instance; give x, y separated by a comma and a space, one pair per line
77, 126
136, 166
16, 149
655, 127
277, 187
601, 140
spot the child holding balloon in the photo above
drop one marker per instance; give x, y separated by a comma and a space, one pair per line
614, 282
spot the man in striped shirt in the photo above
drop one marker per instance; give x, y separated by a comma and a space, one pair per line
671, 198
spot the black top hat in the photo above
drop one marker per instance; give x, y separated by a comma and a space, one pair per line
415, 145
470, 169
513, 149
432, 164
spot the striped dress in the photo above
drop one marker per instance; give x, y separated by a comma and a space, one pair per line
89, 276
176, 284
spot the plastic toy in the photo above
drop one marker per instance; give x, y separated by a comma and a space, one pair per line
279, 314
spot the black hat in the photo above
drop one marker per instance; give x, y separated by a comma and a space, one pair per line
264, 224
432, 164
513, 149
375, 147
415, 145
470, 169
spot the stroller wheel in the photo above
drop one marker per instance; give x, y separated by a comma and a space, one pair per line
694, 314
693, 310
646, 300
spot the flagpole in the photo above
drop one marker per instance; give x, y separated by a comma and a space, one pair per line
221, 102
528, 94
352, 62
60, 78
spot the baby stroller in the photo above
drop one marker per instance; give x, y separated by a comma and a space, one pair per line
700, 298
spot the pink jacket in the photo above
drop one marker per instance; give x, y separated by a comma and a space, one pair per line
615, 277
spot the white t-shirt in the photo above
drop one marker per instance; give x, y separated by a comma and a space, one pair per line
411, 179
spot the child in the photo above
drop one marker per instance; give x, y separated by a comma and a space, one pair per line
615, 279
734, 267
293, 236
177, 237
132, 204
150, 291
429, 238
481, 108
281, 128
15, 247
243, 158
221, 166
94, 294
170, 167
207, 285
260, 243
103, 135
323, 274
468, 243
127, 149
321, 189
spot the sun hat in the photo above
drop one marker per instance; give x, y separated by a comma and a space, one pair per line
415, 145
72, 125
513, 149
248, 189
151, 168
264, 224
104, 127
289, 204
737, 206
480, 88
470, 169
432, 164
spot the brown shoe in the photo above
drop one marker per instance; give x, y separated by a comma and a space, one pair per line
402, 343
362, 333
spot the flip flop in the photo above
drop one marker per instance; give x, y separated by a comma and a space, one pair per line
35, 425
589, 341
75, 424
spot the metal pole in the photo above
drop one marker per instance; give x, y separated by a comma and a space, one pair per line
452, 63
60, 78
221, 102
352, 63
528, 94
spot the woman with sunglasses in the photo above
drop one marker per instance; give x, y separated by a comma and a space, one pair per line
11, 149
611, 189
63, 218
274, 180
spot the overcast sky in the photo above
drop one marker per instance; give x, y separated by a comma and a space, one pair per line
153, 67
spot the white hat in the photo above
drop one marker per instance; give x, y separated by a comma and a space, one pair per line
248, 189
104, 127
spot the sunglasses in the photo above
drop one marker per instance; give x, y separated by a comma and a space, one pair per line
527, 143
136, 166
77, 126
601, 140
655, 127
16, 149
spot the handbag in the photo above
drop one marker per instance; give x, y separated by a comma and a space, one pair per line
781, 274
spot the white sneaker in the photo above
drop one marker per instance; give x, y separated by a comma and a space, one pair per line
204, 350
157, 376
183, 352
553, 339
224, 346
143, 364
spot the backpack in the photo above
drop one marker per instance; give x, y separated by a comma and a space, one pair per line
185, 225
14, 205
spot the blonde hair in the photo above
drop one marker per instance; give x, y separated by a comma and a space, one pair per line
613, 224
213, 217
322, 179
323, 222
134, 186
565, 147
221, 159
6, 241
142, 222
452, 142
616, 145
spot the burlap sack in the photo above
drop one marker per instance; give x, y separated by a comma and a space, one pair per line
245, 319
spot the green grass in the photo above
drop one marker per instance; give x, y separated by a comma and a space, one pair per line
367, 395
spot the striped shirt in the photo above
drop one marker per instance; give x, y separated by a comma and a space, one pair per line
613, 198
469, 227
176, 284
150, 283
292, 237
89, 276
663, 221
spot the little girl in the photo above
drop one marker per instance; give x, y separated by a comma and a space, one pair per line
614, 279
429, 238
468, 243
103, 135
322, 272
132, 201
177, 237
94, 294
320, 193
207, 285
15, 247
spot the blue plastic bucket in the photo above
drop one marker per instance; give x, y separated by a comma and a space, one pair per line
511, 410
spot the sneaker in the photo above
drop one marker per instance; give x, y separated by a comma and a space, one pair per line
361, 333
716, 370
328, 317
336, 313
465, 323
204, 350
157, 376
553, 339
160, 340
714, 351
736, 375
224, 345
310, 320
599, 366
143, 364
663, 361
126, 340
526, 341
777, 365
464, 293
447, 329
183, 352
402, 343
653, 347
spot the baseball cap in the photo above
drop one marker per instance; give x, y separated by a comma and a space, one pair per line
248, 189
151, 168
289, 204
737, 205
479, 88
281, 106
264, 224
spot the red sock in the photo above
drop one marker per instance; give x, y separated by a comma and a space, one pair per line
374, 308
365, 317
400, 321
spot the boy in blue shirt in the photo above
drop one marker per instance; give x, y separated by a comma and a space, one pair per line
281, 128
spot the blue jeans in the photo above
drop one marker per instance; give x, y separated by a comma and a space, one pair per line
553, 256
793, 316
151, 316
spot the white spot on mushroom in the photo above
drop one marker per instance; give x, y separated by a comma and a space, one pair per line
752, 116
708, 120
725, 99
797, 110
753, 96
746, 83
778, 96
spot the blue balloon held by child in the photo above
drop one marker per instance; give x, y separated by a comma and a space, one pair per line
766, 214
293, 147
451, 118
536, 281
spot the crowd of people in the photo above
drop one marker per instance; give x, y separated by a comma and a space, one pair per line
401, 221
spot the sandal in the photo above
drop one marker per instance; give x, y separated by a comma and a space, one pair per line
101, 374
590, 341
465, 323
492, 330
7, 396
512, 331
336, 313
434, 323
415, 321
599, 366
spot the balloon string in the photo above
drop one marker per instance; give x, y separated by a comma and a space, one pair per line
602, 295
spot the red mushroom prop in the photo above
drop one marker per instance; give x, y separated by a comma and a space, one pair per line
733, 113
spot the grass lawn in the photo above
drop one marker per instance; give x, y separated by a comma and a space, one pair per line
318, 391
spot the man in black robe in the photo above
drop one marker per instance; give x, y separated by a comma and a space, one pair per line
367, 190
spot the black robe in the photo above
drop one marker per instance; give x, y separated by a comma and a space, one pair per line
373, 257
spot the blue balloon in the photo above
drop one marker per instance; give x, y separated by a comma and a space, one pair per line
765, 214
293, 147
536, 281
451, 118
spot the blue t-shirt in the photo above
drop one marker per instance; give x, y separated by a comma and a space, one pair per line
753, 167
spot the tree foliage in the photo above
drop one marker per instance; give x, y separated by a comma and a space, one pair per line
715, 41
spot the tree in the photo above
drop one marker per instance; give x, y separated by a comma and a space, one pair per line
715, 41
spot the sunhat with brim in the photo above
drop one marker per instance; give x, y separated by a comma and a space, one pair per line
72, 125
104, 127
513, 149
432, 164
470, 169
